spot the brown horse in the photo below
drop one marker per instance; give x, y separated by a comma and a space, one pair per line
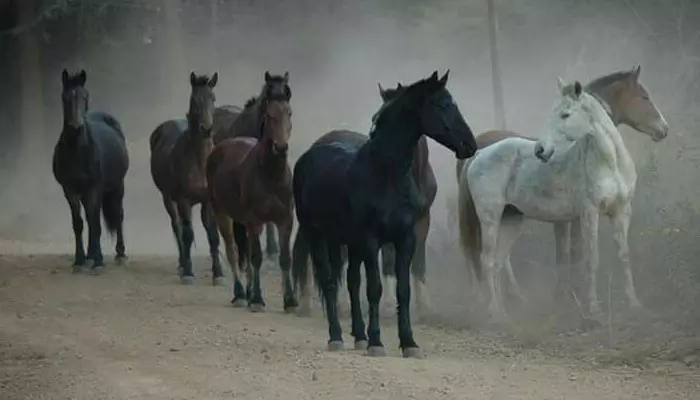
179, 150
628, 103
230, 121
250, 184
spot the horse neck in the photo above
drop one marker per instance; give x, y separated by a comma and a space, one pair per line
391, 150
611, 151
606, 95
76, 139
197, 147
420, 159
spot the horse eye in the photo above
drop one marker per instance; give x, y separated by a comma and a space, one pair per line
565, 115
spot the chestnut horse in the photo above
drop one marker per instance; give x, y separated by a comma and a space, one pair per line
628, 103
250, 184
179, 150
230, 121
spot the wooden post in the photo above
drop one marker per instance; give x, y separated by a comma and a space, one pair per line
499, 111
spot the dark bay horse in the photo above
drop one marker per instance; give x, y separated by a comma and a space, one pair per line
250, 184
628, 103
363, 195
179, 150
232, 121
426, 183
90, 162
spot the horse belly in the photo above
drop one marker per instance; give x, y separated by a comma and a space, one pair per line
548, 200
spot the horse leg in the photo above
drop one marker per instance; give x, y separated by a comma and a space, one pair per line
621, 225
301, 272
77, 221
562, 235
271, 247
256, 303
389, 275
353, 280
171, 209
418, 264
576, 272
92, 207
117, 201
375, 347
284, 230
508, 234
240, 235
209, 223
226, 228
327, 281
589, 224
489, 243
405, 248
184, 210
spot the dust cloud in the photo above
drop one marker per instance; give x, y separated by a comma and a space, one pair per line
336, 53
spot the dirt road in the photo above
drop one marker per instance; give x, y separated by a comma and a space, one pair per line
135, 333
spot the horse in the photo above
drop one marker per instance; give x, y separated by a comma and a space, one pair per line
227, 124
426, 183
629, 103
250, 184
579, 168
90, 161
179, 149
362, 195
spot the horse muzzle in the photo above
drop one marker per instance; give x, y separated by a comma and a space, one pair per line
280, 148
542, 154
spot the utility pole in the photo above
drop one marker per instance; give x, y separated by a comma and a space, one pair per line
499, 111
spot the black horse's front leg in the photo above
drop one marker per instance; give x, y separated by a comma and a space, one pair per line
77, 220
92, 205
374, 296
184, 210
353, 281
404, 254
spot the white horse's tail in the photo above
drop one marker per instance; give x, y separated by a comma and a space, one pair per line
458, 167
469, 224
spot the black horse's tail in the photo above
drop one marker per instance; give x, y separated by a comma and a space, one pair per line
300, 261
112, 210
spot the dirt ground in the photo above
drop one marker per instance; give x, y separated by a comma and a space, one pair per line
135, 333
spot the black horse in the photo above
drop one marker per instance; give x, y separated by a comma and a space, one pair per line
363, 196
90, 162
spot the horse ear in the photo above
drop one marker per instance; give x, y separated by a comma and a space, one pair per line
577, 89
635, 72
286, 76
434, 76
193, 78
443, 80
213, 80
382, 93
64, 77
561, 84
267, 76
399, 85
82, 77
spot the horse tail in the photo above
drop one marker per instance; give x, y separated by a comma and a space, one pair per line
458, 167
300, 261
469, 226
112, 211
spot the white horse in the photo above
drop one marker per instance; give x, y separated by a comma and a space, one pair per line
579, 169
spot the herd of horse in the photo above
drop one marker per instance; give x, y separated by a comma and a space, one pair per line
354, 194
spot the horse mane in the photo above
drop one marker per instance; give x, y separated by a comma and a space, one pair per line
601, 83
250, 102
394, 96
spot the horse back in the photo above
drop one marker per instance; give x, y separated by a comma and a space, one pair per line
224, 118
162, 142
342, 136
490, 137
108, 136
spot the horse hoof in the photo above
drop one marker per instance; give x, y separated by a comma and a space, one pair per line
376, 351
238, 303
412, 352
256, 307
187, 280
121, 260
361, 345
335, 345
98, 270
219, 281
